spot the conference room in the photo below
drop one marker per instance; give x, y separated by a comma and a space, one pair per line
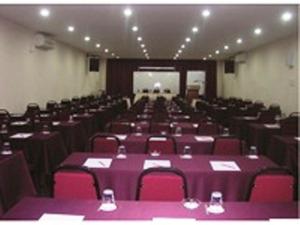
155, 113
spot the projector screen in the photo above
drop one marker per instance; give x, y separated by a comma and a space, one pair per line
152, 79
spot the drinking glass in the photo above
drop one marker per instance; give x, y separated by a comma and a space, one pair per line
216, 199
121, 152
178, 131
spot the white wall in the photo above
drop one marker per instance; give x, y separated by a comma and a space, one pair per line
265, 75
31, 75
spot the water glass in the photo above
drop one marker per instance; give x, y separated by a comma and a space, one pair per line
178, 131
121, 152
108, 197
187, 150
71, 118
6, 149
216, 199
45, 129
139, 130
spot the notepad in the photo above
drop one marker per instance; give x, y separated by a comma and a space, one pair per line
158, 139
98, 163
272, 126
61, 217
224, 166
121, 137
204, 138
19, 123
21, 135
249, 118
156, 163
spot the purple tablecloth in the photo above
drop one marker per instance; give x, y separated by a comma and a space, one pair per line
88, 121
137, 143
34, 208
15, 180
259, 135
202, 180
73, 134
283, 150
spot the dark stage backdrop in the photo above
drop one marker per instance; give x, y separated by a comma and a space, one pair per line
120, 74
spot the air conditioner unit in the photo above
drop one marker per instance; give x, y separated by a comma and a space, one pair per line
240, 58
42, 41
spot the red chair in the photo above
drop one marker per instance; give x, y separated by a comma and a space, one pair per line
103, 143
120, 127
161, 143
157, 128
272, 185
75, 182
227, 146
208, 128
162, 184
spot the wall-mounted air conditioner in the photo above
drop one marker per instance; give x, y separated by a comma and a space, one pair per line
42, 41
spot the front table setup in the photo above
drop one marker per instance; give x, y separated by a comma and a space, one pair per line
230, 175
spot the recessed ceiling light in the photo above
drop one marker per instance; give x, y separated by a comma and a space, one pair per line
71, 28
145, 50
209, 56
286, 16
142, 45
127, 12
176, 55
139, 38
182, 46
44, 12
118, 57
217, 52
179, 51
112, 54
195, 29
239, 41
204, 58
87, 38
106, 50
205, 13
226, 47
187, 39
257, 31
98, 45
135, 28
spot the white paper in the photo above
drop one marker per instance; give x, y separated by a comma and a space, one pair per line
250, 118
21, 135
195, 125
19, 123
187, 117
121, 137
272, 126
61, 217
156, 163
55, 123
224, 166
204, 138
158, 139
98, 163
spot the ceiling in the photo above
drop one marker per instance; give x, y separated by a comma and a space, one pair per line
162, 27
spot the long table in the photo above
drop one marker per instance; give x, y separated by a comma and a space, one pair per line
15, 180
122, 175
137, 143
34, 208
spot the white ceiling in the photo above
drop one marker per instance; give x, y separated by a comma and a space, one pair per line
163, 27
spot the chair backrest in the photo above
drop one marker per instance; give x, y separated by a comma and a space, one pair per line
120, 127
161, 143
104, 143
272, 185
75, 182
227, 146
162, 184
290, 125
